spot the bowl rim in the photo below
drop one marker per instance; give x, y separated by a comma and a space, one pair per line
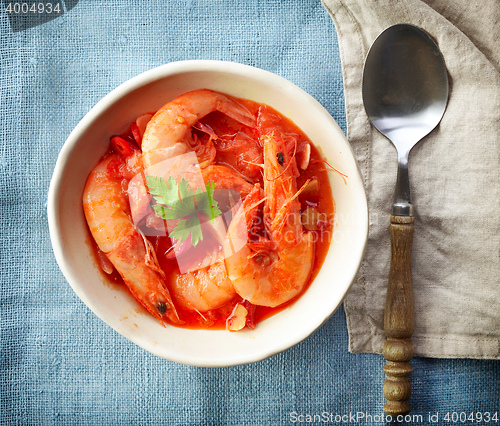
147, 77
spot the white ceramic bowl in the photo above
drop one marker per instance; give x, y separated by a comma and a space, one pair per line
147, 92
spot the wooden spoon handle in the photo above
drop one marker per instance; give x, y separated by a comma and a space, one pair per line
399, 318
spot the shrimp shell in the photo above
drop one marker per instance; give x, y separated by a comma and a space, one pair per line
168, 133
275, 270
108, 215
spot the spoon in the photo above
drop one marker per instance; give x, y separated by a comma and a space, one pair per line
405, 92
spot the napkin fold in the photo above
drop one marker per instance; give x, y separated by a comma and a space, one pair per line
454, 178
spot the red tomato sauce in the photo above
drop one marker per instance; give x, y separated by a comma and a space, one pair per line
229, 153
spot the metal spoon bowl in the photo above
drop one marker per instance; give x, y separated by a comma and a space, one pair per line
405, 92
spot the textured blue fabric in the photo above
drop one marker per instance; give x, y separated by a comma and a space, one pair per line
60, 364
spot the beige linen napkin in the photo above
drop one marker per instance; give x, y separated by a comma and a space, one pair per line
454, 178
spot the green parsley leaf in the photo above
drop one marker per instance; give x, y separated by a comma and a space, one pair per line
186, 227
163, 192
178, 201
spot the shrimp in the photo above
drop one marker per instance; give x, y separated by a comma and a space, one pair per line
225, 178
205, 289
274, 270
168, 134
108, 214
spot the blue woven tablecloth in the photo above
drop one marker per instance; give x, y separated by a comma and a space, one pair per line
60, 364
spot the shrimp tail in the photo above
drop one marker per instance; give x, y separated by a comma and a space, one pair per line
236, 111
